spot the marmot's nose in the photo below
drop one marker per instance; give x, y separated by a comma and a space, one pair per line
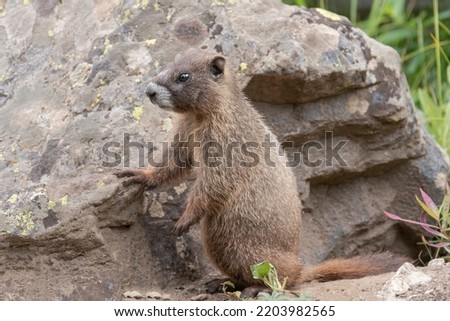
151, 90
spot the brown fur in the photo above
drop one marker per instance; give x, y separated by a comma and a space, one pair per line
247, 214
354, 268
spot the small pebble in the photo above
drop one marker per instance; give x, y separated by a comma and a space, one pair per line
166, 297
200, 297
133, 295
153, 295
436, 263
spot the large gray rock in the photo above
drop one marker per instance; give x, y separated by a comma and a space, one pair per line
72, 79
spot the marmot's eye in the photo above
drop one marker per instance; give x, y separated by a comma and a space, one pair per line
183, 77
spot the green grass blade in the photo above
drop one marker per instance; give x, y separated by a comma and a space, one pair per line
437, 51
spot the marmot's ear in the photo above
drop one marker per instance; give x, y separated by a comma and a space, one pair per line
217, 66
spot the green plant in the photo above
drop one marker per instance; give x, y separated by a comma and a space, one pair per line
437, 115
434, 98
439, 243
267, 273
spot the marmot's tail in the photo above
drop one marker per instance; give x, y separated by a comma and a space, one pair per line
354, 268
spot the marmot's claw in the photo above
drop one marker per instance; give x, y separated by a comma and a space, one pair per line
126, 173
134, 180
219, 285
133, 177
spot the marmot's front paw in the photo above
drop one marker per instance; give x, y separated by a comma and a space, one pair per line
135, 176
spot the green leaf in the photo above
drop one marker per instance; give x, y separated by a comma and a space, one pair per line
395, 36
261, 270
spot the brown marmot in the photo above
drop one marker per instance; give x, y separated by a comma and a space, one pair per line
244, 196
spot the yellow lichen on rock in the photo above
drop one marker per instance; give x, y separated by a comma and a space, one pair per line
106, 45
156, 6
64, 200
12, 199
137, 112
51, 204
100, 184
2, 8
150, 42
24, 222
328, 14
96, 101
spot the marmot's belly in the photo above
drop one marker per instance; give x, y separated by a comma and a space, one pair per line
236, 242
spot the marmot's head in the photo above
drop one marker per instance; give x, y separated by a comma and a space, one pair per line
193, 83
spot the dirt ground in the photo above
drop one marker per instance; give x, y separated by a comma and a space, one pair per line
408, 283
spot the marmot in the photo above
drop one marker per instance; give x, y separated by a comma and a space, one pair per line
248, 208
